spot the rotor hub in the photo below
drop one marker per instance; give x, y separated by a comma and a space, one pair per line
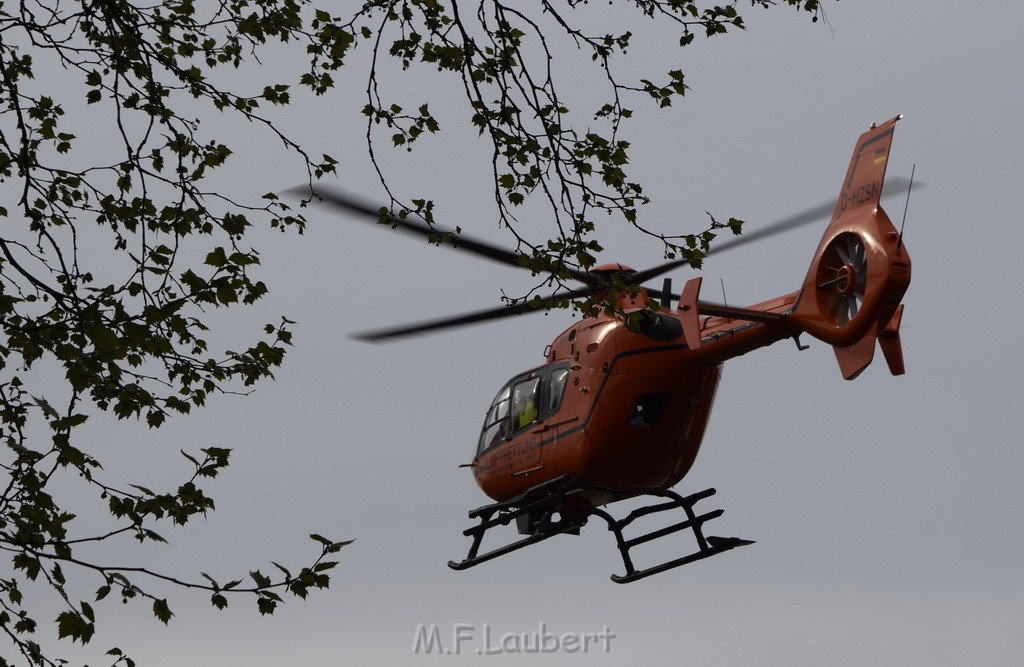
842, 276
846, 279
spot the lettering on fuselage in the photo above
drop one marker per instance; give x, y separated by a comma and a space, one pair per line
864, 194
513, 455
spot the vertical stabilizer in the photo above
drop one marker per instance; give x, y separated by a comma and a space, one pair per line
862, 186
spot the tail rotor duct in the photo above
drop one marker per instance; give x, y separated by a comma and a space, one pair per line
842, 279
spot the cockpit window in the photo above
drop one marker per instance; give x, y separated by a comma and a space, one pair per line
496, 424
524, 403
525, 400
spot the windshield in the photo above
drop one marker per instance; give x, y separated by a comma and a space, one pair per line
525, 400
496, 423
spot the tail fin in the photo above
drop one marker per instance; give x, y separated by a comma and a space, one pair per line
861, 269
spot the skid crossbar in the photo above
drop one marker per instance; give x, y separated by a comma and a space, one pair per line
534, 513
541, 500
706, 547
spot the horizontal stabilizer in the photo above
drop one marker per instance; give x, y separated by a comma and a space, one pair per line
889, 341
734, 313
853, 359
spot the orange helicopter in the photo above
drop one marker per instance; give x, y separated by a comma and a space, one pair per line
619, 408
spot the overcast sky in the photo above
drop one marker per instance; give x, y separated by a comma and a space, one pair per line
887, 511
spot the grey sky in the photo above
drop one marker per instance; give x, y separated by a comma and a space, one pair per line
887, 511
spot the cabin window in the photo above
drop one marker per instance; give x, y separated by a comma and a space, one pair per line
649, 408
556, 389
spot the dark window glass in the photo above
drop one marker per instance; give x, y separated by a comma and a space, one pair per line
556, 389
650, 408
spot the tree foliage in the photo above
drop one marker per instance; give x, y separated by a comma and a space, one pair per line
505, 56
128, 330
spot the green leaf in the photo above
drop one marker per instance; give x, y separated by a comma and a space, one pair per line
217, 257
71, 624
162, 611
336, 547
266, 605
261, 580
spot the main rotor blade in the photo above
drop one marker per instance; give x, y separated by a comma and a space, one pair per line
897, 184
421, 229
484, 315
802, 218
418, 228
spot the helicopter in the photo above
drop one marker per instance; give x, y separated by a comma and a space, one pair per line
619, 407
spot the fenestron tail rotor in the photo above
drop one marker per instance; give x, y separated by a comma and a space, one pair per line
842, 278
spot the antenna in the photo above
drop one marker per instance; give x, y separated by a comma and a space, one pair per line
724, 300
910, 187
666, 294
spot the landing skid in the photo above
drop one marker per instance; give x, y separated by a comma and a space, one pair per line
535, 510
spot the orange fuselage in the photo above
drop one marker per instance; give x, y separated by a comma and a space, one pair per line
634, 409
